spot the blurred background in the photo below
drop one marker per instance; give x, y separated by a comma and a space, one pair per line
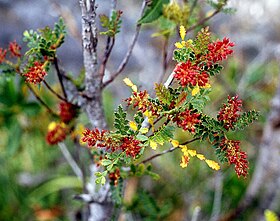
37, 184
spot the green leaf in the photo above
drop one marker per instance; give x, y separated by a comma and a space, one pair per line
163, 94
153, 12
55, 185
163, 135
121, 123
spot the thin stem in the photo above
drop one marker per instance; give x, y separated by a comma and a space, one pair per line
60, 78
129, 52
166, 151
203, 21
53, 91
164, 59
40, 100
70, 160
107, 54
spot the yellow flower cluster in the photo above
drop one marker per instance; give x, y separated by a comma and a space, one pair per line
187, 153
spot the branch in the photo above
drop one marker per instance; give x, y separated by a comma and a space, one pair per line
201, 22
70, 160
54, 92
166, 151
60, 76
106, 56
41, 101
129, 52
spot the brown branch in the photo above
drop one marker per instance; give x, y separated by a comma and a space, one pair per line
53, 91
128, 53
106, 56
41, 101
201, 22
60, 78
166, 151
164, 59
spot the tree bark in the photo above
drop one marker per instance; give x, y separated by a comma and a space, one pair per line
100, 207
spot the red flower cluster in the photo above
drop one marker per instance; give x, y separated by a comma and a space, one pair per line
141, 101
230, 112
131, 146
236, 156
67, 111
3, 53
14, 48
187, 120
56, 133
187, 73
115, 176
94, 137
36, 73
219, 50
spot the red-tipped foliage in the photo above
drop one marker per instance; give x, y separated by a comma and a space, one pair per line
219, 50
235, 156
94, 137
131, 146
187, 120
56, 133
67, 111
14, 48
3, 53
36, 73
115, 176
189, 74
230, 112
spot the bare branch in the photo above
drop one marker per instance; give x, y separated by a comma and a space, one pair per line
128, 53
70, 160
41, 101
53, 91
60, 78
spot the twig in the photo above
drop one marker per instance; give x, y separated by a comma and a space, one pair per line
70, 160
217, 197
129, 52
166, 151
106, 56
164, 59
196, 213
41, 101
60, 78
203, 20
53, 91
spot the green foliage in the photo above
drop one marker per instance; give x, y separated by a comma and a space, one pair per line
245, 119
183, 55
121, 123
112, 24
153, 11
164, 134
117, 192
163, 94
45, 41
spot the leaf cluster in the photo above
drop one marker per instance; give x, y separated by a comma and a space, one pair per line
112, 24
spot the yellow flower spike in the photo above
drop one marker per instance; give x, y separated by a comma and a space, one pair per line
200, 156
192, 152
184, 161
182, 32
184, 149
129, 83
133, 125
175, 143
178, 45
153, 144
207, 85
270, 215
144, 130
212, 164
52, 126
134, 88
196, 90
